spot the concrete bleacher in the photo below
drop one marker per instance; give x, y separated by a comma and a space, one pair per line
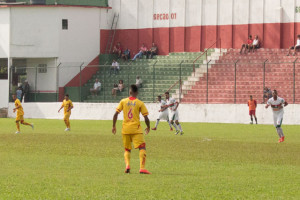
158, 75
249, 76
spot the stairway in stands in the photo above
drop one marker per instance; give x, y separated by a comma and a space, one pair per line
156, 80
249, 76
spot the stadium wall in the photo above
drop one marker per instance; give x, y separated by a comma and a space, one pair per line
192, 25
210, 113
4, 93
4, 33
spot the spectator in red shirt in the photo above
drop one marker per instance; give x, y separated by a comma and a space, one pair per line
248, 45
118, 50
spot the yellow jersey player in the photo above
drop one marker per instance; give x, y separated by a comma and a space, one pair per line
68, 106
20, 114
132, 131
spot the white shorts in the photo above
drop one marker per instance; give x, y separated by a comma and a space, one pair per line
174, 115
163, 115
278, 117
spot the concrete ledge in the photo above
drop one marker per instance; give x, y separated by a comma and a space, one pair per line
211, 113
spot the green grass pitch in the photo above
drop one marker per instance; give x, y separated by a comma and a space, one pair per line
211, 161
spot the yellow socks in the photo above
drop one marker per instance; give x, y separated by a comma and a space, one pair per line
127, 158
142, 158
18, 126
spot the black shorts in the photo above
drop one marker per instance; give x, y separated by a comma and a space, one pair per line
297, 47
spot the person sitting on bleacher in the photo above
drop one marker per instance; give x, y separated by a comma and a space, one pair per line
248, 45
256, 43
138, 82
118, 50
96, 88
143, 50
297, 46
117, 87
151, 52
115, 67
126, 54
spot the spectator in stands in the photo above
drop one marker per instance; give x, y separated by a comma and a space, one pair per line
256, 43
138, 82
248, 45
96, 88
126, 54
118, 50
267, 94
151, 52
143, 50
115, 67
297, 46
19, 92
25, 93
114, 90
117, 87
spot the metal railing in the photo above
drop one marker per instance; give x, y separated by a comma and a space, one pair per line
206, 52
222, 81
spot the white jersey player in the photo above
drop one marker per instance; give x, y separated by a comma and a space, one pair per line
173, 105
277, 105
163, 113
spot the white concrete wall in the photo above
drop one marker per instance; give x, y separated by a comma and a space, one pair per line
36, 32
136, 14
45, 82
4, 32
4, 93
211, 113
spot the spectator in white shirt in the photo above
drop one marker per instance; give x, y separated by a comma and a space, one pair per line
115, 67
255, 44
96, 88
138, 82
297, 46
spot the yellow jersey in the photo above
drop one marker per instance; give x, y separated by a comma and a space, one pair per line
20, 109
67, 104
132, 107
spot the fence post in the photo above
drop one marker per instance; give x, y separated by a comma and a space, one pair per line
235, 81
153, 81
264, 78
35, 87
104, 74
80, 87
294, 79
207, 81
57, 82
180, 81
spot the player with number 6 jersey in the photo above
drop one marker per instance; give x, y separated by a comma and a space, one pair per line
132, 131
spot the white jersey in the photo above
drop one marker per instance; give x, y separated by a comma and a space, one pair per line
171, 101
162, 104
276, 105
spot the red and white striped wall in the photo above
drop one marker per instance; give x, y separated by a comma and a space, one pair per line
192, 25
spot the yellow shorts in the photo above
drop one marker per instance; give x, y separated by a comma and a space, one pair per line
67, 116
19, 118
136, 139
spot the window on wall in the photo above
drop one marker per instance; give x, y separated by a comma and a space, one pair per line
3, 68
42, 68
65, 24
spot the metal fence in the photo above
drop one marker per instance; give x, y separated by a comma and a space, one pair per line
212, 82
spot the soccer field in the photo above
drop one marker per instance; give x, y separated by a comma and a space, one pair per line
211, 161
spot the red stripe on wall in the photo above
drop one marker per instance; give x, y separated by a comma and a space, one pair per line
86, 74
197, 38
